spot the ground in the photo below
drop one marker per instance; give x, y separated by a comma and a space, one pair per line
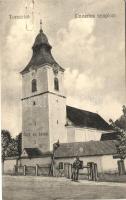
112, 178
51, 188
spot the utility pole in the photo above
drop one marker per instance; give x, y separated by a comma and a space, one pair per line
55, 147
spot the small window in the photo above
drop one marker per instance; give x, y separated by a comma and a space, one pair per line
34, 103
56, 84
34, 85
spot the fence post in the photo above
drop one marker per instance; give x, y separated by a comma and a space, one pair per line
70, 171
24, 170
15, 169
88, 171
95, 172
92, 171
36, 170
69, 168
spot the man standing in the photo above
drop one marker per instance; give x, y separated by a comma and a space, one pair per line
75, 169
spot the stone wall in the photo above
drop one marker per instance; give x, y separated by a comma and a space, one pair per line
8, 166
35, 161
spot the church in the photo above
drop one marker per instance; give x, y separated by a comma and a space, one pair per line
45, 116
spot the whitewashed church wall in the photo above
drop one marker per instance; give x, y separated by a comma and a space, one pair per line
50, 79
86, 134
57, 109
35, 123
43, 123
42, 83
83, 134
57, 119
70, 134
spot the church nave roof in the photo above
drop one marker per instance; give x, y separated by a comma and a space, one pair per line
83, 118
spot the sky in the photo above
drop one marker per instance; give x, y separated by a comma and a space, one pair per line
91, 50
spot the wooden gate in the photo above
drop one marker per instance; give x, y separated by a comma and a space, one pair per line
30, 170
67, 170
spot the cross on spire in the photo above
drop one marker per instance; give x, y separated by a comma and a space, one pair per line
40, 25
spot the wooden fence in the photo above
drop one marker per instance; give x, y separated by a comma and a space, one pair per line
65, 171
32, 170
91, 172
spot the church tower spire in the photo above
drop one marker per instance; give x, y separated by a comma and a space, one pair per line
41, 53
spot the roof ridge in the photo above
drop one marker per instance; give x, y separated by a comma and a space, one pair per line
94, 141
82, 110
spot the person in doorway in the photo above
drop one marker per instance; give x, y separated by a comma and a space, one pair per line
75, 169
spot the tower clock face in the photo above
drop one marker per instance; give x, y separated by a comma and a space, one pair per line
55, 69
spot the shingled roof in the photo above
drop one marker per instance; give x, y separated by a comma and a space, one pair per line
32, 152
83, 118
91, 148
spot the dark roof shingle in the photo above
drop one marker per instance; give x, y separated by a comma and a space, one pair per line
91, 148
41, 54
84, 118
33, 152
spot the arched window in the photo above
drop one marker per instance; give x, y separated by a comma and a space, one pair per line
56, 84
34, 85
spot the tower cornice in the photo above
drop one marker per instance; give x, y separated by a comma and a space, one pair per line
47, 92
33, 67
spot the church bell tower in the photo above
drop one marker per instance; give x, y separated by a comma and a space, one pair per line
43, 99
